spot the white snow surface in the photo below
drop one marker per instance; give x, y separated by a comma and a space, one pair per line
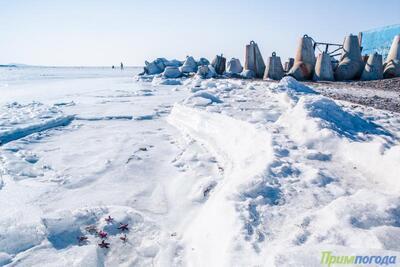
216, 172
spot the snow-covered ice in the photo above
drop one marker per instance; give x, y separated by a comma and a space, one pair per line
323, 168
217, 172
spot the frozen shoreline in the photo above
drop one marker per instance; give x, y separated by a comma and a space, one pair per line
219, 172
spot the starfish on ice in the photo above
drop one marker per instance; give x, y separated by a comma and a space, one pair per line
104, 244
124, 238
103, 234
109, 219
123, 227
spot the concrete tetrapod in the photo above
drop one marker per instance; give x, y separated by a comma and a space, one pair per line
351, 64
373, 69
219, 63
392, 64
254, 60
323, 68
189, 65
289, 64
274, 69
234, 66
304, 61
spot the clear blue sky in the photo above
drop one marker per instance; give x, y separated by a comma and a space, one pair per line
89, 32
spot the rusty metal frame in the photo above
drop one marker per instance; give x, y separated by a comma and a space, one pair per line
337, 48
333, 53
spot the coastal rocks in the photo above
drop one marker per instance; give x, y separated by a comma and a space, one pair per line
172, 69
392, 64
152, 68
203, 62
350, 64
173, 63
172, 72
304, 61
189, 65
158, 66
219, 64
206, 72
253, 60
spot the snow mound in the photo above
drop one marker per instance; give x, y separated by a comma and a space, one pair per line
369, 214
291, 90
248, 74
291, 83
321, 123
18, 236
172, 72
228, 85
20, 166
319, 114
206, 72
202, 98
61, 230
165, 81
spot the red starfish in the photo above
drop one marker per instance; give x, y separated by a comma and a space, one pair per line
103, 234
104, 244
124, 238
123, 227
109, 219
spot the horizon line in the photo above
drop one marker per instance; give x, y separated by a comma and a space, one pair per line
18, 65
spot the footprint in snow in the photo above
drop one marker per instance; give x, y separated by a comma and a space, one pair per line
319, 156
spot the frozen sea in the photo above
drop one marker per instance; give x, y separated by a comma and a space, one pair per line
217, 172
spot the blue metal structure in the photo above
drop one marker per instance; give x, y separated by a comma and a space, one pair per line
378, 40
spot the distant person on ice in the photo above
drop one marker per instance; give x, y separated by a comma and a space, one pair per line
122, 66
